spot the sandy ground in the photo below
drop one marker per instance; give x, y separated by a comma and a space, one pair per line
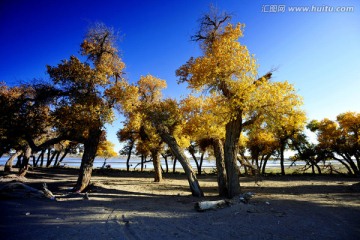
131, 206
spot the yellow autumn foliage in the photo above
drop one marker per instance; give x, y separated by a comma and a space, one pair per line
106, 150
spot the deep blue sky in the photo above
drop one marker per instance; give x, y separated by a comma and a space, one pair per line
316, 51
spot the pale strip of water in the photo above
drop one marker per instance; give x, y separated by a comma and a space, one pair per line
120, 163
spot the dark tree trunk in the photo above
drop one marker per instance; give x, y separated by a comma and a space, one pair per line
244, 163
104, 164
166, 162
282, 149
357, 161
34, 160
353, 166
18, 162
257, 164
129, 156
49, 160
318, 168
196, 162
179, 154
42, 159
9, 162
48, 157
174, 165
201, 161
264, 164
312, 169
345, 165
167, 165
57, 158
41, 156
232, 135
157, 165
90, 147
25, 162
143, 159
220, 166
67, 150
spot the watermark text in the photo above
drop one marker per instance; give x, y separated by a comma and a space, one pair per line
278, 8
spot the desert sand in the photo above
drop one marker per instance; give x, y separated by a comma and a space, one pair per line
125, 205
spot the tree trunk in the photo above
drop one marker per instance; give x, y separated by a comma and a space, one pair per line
257, 164
41, 156
264, 164
166, 162
192, 152
244, 163
42, 159
90, 147
9, 163
312, 169
25, 162
104, 164
48, 157
318, 168
34, 160
143, 159
353, 166
282, 149
201, 162
157, 165
232, 135
220, 166
129, 156
346, 166
67, 150
18, 162
49, 160
179, 154
57, 158
174, 165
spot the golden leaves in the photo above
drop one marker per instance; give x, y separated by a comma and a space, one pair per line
150, 88
341, 136
204, 117
99, 47
106, 149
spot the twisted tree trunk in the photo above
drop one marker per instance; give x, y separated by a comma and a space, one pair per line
232, 136
25, 162
9, 162
90, 148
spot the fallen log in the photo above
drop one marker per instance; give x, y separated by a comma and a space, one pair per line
47, 192
21, 190
208, 205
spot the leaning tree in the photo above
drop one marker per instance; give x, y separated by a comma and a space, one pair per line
154, 121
